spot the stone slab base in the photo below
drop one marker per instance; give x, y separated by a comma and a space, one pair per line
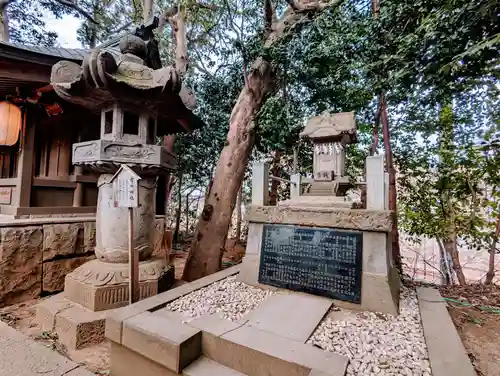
100, 286
75, 326
447, 353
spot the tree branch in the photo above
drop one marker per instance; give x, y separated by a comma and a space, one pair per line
268, 17
4, 3
121, 28
81, 11
292, 4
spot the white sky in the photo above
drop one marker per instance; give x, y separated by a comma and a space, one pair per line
66, 29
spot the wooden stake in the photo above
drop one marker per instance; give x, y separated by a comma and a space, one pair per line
133, 261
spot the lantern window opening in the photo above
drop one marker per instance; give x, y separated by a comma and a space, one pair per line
151, 133
108, 122
130, 123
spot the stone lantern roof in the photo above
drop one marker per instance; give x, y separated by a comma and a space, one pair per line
339, 127
107, 76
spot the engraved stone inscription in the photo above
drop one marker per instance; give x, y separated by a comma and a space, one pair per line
319, 261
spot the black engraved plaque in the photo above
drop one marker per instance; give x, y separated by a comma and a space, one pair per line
314, 260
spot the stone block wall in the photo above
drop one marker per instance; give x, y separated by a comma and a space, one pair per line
36, 256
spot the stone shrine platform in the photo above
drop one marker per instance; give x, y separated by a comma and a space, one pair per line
219, 326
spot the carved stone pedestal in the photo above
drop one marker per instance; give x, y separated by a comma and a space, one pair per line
99, 285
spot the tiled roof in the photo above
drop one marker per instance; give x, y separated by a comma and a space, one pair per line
49, 54
57, 52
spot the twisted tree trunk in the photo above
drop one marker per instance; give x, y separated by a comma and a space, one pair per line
206, 251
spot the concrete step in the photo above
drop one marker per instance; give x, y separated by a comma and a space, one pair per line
206, 367
167, 342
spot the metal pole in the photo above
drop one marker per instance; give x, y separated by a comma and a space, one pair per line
133, 261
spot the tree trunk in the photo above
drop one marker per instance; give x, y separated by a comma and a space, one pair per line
238, 213
446, 274
383, 117
4, 21
275, 171
206, 251
178, 24
446, 169
450, 245
178, 211
181, 54
208, 246
396, 254
491, 267
187, 214
147, 10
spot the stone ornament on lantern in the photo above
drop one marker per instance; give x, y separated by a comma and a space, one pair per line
136, 104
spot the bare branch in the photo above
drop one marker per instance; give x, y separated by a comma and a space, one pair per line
73, 5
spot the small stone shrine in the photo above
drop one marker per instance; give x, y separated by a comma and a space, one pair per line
317, 242
136, 103
329, 134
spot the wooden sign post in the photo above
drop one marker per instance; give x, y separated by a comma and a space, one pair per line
126, 195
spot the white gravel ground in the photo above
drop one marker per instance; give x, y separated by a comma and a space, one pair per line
230, 299
378, 344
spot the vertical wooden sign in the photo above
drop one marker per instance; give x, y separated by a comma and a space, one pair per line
126, 195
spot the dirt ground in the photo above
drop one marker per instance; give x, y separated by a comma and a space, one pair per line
478, 328
22, 317
95, 358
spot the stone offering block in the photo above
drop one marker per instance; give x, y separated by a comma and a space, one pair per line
320, 261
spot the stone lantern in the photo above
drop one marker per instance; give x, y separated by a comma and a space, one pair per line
136, 104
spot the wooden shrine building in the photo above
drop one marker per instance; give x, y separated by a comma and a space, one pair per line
37, 131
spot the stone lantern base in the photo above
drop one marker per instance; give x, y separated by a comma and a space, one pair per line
91, 291
100, 286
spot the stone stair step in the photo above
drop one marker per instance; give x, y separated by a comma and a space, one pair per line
255, 352
293, 316
206, 367
162, 340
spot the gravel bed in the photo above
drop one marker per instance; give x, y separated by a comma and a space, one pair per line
378, 344
228, 298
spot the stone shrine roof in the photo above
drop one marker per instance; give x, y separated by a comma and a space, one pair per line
331, 127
